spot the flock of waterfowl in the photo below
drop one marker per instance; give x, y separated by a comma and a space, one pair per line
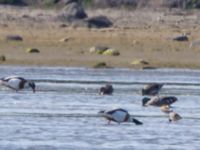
164, 102
118, 115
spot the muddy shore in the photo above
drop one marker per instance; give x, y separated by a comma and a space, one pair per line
135, 35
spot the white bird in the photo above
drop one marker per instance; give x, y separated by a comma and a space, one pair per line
17, 83
118, 115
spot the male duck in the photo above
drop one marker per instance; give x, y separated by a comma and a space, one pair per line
119, 115
159, 101
17, 83
152, 89
106, 90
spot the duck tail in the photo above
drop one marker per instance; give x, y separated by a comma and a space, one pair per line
137, 122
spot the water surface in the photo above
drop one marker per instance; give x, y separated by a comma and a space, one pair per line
62, 114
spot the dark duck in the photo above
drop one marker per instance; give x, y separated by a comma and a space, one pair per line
152, 89
106, 90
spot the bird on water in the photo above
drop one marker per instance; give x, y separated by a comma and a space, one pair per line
118, 115
17, 83
159, 101
152, 89
106, 90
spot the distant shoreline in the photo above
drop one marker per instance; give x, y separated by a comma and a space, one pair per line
136, 35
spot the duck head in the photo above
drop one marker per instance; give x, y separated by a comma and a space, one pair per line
32, 85
102, 91
101, 112
145, 100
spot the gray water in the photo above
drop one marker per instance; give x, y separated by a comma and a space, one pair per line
62, 114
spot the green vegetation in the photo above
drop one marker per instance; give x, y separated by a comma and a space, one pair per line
193, 4
87, 3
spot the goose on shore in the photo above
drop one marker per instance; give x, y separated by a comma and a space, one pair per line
152, 89
17, 83
119, 115
159, 101
106, 90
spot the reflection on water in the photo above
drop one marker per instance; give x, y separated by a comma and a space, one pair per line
62, 114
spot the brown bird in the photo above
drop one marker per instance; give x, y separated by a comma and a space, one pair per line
166, 109
173, 116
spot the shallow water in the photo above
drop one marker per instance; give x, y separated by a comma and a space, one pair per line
62, 114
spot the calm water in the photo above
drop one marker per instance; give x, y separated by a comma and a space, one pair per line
62, 114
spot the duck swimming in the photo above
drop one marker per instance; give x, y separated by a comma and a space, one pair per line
119, 115
158, 101
173, 116
152, 89
106, 90
17, 83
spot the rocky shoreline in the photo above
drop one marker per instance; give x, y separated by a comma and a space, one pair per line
141, 39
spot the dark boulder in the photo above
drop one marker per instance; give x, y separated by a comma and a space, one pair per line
14, 38
181, 38
101, 65
72, 11
33, 50
98, 22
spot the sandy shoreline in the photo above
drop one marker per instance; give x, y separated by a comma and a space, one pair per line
150, 42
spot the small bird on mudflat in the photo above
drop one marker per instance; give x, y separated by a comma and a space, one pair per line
152, 89
17, 83
173, 116
159, 101
118, 115
106, 90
